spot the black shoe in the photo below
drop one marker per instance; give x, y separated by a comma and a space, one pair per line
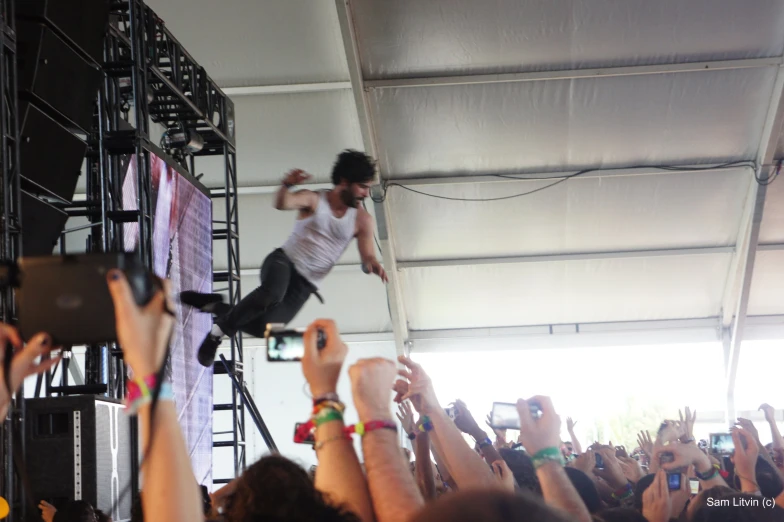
208, 349
200, 301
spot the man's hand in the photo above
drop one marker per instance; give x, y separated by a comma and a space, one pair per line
685, 455
143, 333
504, 476
295, 177
322, 367
656, 503
466, 423
47, 511
745, 459
406, 417
645, 442
373, 266
769, 411
681, 497
671, 431
570, 424
687, 422
542, 433
371, 380
631, 469
23, 363
747, 425
612, 472
419, 385
500, 435
585, 463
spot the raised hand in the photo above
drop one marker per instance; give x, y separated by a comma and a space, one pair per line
466, 423
656, 502
645, 442
747, 425
500, 435
687, 421
371, 380
570, 424
769, 411
612, 472
538, 434
296, 177
684, 456
47, 511
745, 459
631, 469
322, 367
504, 475
406, 417
585, 463
419, 385
670, 431
23, 363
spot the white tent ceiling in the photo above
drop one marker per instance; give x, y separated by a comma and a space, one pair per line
453, 93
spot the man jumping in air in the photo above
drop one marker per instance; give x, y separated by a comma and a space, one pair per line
326, 224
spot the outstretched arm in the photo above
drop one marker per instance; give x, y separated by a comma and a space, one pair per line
303, 200
366, 245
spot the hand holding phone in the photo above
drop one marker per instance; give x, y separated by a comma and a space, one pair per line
323, 356
674, 481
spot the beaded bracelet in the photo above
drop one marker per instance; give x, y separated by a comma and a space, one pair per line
546, 455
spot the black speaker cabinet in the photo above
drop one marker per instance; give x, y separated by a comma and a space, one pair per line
79, 448
41, 226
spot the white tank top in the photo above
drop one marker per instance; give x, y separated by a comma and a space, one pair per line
318, 241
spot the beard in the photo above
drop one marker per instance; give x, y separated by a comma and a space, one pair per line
349, 199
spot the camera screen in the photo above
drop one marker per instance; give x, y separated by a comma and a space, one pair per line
722, 443
674, 481
505, 416
285, 346
694, 485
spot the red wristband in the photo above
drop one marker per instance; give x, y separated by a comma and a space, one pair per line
361, 428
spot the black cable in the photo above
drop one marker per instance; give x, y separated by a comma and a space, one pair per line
561, 178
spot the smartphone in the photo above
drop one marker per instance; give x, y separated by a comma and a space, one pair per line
599, 461
674, 481
694, 486
288, 345
310, 439
722, 443
666, 457
505, 416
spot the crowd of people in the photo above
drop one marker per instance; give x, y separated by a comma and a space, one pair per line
536, 478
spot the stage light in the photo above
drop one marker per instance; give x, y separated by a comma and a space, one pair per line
179, 138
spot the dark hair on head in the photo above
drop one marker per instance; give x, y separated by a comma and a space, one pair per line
100, 516
137, 512
619, 515
354, 167
740, 507
76, 511
275, 488
489, 506
767, 477
585, 488
523, 469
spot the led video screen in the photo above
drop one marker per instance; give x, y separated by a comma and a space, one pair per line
182, 253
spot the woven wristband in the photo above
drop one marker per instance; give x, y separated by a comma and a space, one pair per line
623, 493
329, 405
327, 415
710, 474
140, 393
361, 428
425, 424
546, 455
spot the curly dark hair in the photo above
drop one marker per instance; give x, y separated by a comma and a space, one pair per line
354, 167
523, 470
276, 489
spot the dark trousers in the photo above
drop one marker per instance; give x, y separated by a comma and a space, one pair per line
282, 294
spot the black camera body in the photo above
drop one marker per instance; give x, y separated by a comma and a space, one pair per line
68, 296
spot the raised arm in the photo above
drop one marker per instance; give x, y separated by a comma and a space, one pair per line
302, 200
770, 416
367, 245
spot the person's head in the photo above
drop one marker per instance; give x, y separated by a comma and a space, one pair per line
100, 516
567, 449
522, 468
352, 175
642, 485
619, 515
768, 479
585, 488
274, 488
76, 511
489, 506
714, 493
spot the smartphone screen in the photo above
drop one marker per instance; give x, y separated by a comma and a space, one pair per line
722, 443
694, 485
674, 481
311, 439
505, 416
285, 346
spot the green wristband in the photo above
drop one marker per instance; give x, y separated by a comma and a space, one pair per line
543, 456
327, 415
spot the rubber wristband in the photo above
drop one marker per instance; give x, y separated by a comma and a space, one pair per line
547, 455
484, 442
